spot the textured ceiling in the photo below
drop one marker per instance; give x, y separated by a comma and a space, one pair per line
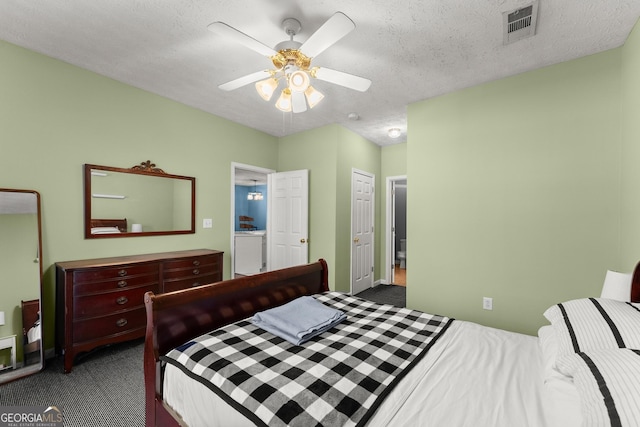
411, 50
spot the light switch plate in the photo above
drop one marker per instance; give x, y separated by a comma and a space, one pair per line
207, 223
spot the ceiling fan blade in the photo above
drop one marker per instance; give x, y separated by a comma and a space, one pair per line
231, 33
245, 80
298, 102
343, 79
336, 27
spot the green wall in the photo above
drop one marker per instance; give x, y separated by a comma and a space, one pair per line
515, 193
330, 153
55, 117
630, 153
316, 150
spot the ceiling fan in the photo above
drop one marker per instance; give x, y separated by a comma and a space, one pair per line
292, 62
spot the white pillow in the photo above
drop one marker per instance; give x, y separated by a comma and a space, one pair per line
617, 286
609, 385
548, 342
110, 230
593, 323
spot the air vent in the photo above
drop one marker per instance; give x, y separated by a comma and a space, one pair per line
520, 23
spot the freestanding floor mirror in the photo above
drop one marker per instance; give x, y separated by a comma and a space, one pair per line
21, 344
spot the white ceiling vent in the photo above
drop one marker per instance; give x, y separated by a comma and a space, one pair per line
520, 23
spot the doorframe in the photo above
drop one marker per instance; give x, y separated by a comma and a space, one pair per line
232, 214
373, 221
390, 251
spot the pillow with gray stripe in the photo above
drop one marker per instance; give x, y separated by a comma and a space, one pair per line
594, 323
609, 385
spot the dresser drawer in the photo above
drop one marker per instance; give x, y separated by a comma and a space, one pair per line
118, 272
192, 282
110, 302
184, 273
192, 262
121, 283
101, 327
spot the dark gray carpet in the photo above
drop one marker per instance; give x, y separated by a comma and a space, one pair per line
386, 294
106, 387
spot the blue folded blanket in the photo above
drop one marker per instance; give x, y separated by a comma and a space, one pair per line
299, 320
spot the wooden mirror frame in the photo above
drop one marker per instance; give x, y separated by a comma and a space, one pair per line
147, 169
31, 308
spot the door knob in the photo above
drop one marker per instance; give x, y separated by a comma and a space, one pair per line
356, 240
302, 240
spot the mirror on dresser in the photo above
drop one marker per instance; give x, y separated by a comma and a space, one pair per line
21, 349
140, 201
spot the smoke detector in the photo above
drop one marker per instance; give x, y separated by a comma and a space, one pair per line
520, 23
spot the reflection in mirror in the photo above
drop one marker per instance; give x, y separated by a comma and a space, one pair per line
140, 201
21, 349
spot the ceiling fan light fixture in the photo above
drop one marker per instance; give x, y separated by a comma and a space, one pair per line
284, 102
313, 96
292, 61
266, 88
298, 81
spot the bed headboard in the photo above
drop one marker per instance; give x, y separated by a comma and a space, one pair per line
174, 318
121, 224
30, 314
635, 284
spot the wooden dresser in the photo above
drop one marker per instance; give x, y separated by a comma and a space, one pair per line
101, 301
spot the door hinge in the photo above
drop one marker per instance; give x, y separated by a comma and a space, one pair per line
372, 268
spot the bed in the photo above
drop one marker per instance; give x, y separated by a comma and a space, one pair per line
108, 226
466, 374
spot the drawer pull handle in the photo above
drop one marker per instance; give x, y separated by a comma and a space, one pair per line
121, 322
196, 271
122, 272
196, 263
122, 300
195, 284
122, 283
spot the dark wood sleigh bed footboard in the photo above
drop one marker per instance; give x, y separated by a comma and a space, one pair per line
176, 317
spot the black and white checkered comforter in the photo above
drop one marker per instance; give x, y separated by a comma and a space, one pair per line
338, 378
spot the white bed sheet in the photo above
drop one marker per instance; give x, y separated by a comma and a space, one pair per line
472, 376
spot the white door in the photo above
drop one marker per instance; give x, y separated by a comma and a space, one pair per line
288, 213
362, 220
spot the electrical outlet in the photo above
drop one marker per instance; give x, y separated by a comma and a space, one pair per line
487, 303
207, 223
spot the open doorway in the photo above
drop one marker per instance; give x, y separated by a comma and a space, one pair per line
396, 230
269, 219
249, 194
